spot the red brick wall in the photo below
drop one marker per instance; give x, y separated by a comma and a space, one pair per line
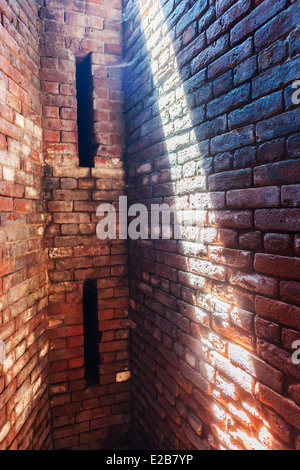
24, 406
84, 417
210, 125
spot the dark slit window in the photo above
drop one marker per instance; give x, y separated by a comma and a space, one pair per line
84, 88
90, 330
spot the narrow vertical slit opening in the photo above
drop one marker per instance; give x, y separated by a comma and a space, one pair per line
90, 331
84, 89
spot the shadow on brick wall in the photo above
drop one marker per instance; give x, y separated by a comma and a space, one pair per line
206, 332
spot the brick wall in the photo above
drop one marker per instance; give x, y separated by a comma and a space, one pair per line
94, 416
24, 406
210, 125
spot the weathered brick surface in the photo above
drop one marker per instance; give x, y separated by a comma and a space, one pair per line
210, 125
24, 405
70, 33
80, 418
